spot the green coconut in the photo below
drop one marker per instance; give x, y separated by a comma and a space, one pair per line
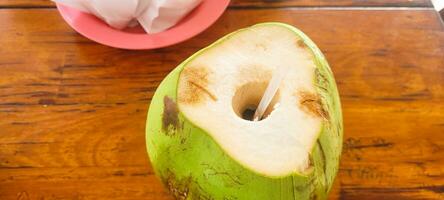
201, 140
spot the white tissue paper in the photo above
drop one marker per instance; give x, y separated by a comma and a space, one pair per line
153, 15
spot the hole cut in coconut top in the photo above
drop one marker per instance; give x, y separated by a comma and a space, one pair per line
218, 85
247, 98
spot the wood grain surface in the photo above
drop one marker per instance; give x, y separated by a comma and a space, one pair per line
72, 112
260, 3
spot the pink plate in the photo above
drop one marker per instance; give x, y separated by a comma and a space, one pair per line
95, 29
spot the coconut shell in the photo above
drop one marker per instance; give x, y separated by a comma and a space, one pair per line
193, 166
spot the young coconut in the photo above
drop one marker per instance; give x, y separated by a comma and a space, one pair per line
203, 143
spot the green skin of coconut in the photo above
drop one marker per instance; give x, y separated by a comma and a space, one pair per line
193, 166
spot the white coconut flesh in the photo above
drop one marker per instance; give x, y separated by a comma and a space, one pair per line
217, 89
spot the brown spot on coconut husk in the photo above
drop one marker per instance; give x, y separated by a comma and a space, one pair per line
301, 43
195, 87
178, 188
314, 196
183, 188
312, 104
211, 95
170, 115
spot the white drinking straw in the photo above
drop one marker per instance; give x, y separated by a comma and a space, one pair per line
270, 92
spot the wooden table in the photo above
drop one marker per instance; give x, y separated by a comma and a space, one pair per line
72, 112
